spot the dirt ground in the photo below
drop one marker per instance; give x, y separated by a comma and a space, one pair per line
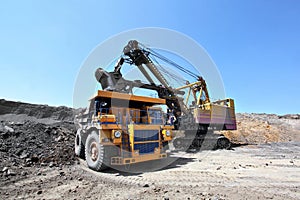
37, 162
269, 171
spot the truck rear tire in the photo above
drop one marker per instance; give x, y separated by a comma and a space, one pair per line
94, 152
79, 146
223, 143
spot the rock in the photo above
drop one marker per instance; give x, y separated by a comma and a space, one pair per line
58, 139
51, 164
218, 168
9, 129
39, 192
11, 173
24, 173
34, 158
24, 155
19, 123
146, 185
4, 169
79, 179
5, 134
47, 129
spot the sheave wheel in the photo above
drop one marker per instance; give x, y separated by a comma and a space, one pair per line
94, 152
79, 146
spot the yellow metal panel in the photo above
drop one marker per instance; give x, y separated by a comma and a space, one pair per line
137, 159
168, 127
131, 136
117, 140
167, 138
146, 127
231, 103
107, 118
105, 134
111, 126
118, 95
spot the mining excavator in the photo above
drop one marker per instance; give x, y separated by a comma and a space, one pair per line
135, 128
195, 123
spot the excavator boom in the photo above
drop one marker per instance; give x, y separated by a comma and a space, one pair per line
201, 115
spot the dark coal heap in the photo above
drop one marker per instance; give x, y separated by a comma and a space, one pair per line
60, 113
25, 142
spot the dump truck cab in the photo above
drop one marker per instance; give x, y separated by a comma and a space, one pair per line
122, 129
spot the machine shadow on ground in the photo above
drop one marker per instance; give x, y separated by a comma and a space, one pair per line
176, 159
149, 166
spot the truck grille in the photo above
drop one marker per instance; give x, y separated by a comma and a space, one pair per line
146, 147
146, 135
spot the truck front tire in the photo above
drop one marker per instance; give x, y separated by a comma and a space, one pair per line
94, 152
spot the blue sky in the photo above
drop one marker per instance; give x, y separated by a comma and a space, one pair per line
255, 45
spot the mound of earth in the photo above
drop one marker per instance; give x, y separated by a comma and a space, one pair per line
13, 108
32, 144
265, 128
34, 136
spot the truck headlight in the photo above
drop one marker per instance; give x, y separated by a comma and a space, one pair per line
168, 133
117, 134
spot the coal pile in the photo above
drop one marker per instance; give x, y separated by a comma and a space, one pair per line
31, 144
28, 144
60, 113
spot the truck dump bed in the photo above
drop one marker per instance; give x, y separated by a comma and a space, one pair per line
219, 114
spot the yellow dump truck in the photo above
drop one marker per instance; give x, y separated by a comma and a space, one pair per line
119, 129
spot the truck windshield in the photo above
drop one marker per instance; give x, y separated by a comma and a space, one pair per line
156, 116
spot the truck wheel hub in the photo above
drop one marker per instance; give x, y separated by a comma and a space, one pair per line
94, 151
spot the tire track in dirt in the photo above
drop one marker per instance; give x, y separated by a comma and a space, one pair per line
167, 177
250, 171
